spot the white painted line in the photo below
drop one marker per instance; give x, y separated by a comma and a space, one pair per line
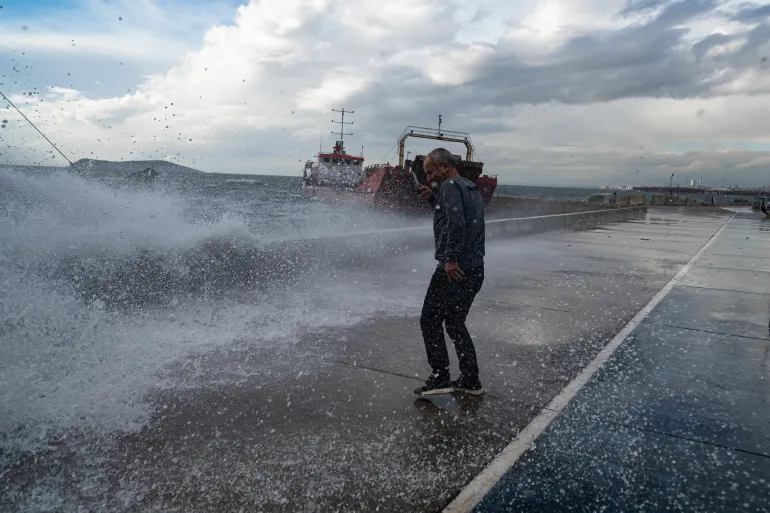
472, 494
562, 215
428, 226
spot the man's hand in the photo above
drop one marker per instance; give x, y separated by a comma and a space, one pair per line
453, 271
425, 192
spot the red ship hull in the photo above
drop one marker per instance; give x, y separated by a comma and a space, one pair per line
394, 188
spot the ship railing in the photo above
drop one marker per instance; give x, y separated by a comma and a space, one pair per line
436, 133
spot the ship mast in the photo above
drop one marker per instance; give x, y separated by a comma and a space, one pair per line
342, 123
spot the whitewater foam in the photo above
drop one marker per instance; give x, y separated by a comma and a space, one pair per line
73, 356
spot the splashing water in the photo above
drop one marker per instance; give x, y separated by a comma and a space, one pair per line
102, 290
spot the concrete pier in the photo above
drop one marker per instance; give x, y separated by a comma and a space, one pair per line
331, 423
677, 417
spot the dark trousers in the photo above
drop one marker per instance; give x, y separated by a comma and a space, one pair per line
448, 303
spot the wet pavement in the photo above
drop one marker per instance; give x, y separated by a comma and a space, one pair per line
331, 423
678, 418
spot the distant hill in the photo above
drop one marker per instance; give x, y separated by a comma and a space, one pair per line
131, 166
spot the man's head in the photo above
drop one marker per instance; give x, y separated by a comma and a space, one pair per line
439, 165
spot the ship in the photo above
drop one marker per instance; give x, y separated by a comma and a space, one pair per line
340, 177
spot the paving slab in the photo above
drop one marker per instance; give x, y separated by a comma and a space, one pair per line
676, 419
599, 467
715, 311
738, 262
728, 279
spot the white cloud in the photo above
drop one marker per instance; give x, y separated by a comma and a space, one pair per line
332, 91
458, 66
567, 87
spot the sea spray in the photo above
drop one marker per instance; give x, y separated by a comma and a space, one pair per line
104, 289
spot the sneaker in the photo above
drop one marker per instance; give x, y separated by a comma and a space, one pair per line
435, 386
468, 385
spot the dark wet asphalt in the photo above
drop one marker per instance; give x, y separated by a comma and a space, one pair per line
678, 419
332, 424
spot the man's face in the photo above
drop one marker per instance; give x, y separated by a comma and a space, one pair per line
434, 172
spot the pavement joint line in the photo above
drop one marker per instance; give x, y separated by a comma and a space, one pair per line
736, 256
733, 269
613, 229
681, 437
665, 250
716, 332
477, 489
523, 305
374, 369
756, 257
592, 273
724, 290
759, 242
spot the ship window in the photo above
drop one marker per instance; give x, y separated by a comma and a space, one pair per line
356, 162
326, 159
347, 162
336, 161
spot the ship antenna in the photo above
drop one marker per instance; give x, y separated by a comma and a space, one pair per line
342, 125
38, 130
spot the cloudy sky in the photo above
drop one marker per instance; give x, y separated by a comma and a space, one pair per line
573, 92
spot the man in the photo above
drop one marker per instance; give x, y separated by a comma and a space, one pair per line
458, 230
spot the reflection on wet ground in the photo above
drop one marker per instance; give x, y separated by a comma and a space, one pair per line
331, 422
677, 419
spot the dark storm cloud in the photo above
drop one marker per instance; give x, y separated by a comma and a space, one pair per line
757, 38
639, 6
686, 10
752, 14
702, 47
648, 60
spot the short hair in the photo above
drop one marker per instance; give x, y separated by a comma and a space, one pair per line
441, 155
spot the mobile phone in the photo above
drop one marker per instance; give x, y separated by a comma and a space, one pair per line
418, 171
